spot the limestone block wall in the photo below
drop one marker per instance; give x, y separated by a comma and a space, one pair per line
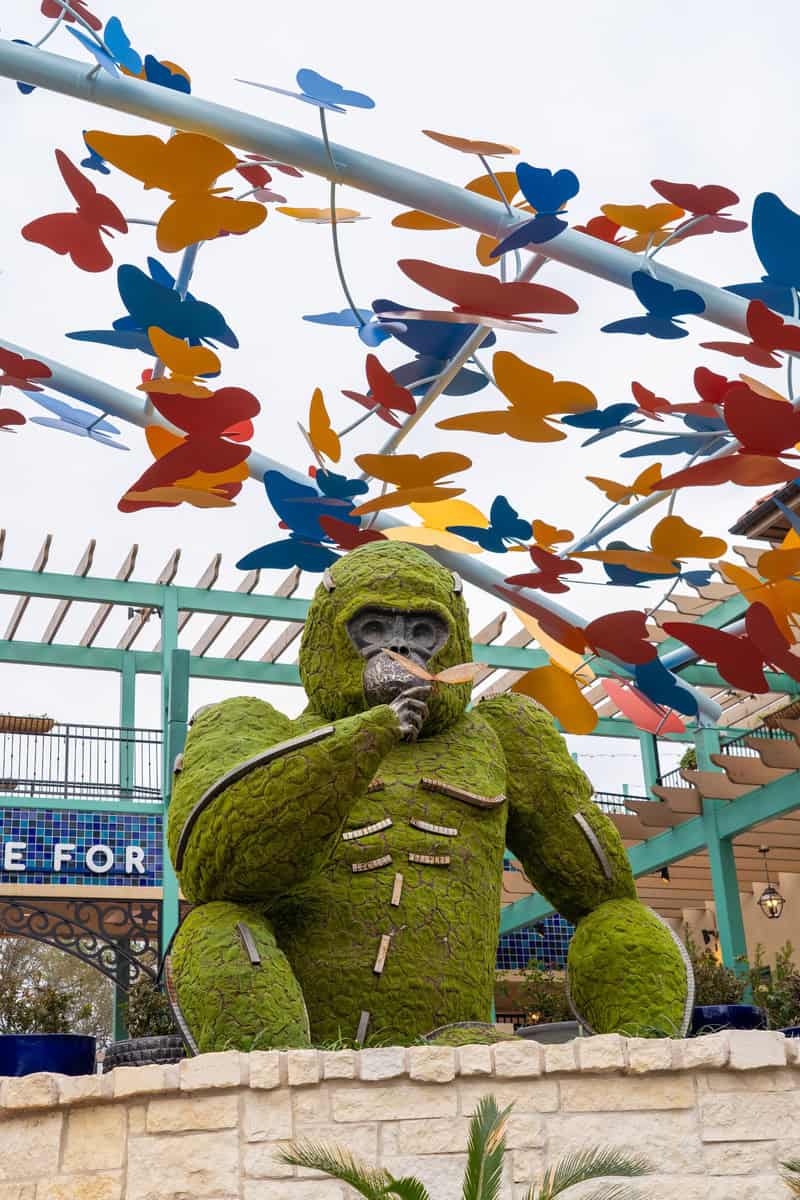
715, 1115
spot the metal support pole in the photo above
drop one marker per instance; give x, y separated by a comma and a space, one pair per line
728, 903
170, 905
127, 722
651, 768
121, 985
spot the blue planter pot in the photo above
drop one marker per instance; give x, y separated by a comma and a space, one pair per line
791, 1031
62, 1053
711, 1017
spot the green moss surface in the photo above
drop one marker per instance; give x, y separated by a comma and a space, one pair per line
626, 973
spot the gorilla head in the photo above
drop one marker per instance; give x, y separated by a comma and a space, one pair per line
385, 595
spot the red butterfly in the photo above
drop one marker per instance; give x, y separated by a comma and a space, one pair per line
78, 234
546, 579
51, 8
702, 202
19, 372
623, 635
709, 386
347, 536
10, 416
602, 228
740, 659
484, 297
385, 392
765, 428
769, 333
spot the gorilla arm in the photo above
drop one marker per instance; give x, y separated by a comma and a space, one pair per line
252, 817
570, 850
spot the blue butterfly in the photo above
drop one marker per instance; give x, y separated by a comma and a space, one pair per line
607, 421
339, 487
371, 332
95, 161
436, 342
664, 688
504, 523
622, 576
156, 72
78, 421
120, 47
299, 508
776, 237
104, 59
547, 192
321, 92
663, 303
704, 424
25, 88
683, 444
153, 301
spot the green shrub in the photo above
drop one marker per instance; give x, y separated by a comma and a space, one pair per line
147, 1011
714, 983
777, 989
544, 995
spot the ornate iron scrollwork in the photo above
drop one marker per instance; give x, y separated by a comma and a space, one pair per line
120, 938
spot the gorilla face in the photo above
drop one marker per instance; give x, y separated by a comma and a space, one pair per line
416, 635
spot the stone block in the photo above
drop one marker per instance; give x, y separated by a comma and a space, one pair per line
17, 1191
535, 1095
222, 1069
442, 1174
176, 1114
29, 1146
591, 1094
527, 1166
95, 1139
398, 1103
778, 1079
84, 1089
87, 1187
517, 1060
360, 1140
265, 1068
560, 1057
743, 1117
163, 1167
303, 1067
670, 1140
649, 1054
30, 1091
339, 1064
474, 1060
311, 1106
137, 1114
139, 1081
267, 1116
386, 1062
261, 1161
603, 1052
524, 1131
441, 1135
432, 1064
709, 1051
297, 1189
739, 1158
751, 1049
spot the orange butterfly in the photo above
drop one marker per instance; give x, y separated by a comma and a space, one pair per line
672, 540
621, 493
184, 363
321, 434
185, 166
461, 673
534, 396
418, 478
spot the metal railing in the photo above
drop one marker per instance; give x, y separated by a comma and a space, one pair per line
674, 779
735, 746
614, 802
100, 762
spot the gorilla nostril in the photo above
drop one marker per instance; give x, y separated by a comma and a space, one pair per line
400, 647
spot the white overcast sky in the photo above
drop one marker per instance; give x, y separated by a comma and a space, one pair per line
619, 93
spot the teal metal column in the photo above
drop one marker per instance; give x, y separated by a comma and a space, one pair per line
127, 721
723, 865
120, 999
170, 907
651, 768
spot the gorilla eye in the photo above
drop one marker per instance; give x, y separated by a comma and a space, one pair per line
372, 629
423, 632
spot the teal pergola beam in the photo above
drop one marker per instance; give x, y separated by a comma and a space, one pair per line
147, 808
728, 904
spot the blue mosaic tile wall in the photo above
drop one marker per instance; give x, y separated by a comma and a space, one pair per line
41, 829
548, 942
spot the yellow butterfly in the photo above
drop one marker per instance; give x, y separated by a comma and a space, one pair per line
621, 493
184, 363
323, 437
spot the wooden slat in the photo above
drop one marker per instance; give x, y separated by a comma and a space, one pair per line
750, 554
717, 591
520, 638
714, 785
245, 640
204, 583
655, 816
747, 769
168, 573
776, 752
212, 632
102, 612
2, 541
491, 632
24, 601
690, 606
290, 634
63, 606
680, 800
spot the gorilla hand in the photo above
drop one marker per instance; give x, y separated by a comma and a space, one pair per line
411, 711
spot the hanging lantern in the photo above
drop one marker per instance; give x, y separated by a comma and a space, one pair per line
770, 901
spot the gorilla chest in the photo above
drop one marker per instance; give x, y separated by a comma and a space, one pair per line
436, 805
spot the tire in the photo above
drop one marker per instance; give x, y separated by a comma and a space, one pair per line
135, 1052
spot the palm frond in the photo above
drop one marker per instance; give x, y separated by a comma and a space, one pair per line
486, 1148
615, 1191
370, 1182
594, 1163
792, 1180
407, 1188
